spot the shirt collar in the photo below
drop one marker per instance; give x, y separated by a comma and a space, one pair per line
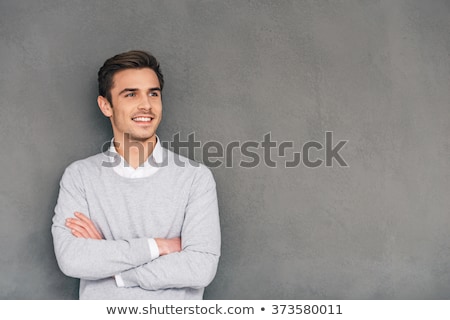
156, 155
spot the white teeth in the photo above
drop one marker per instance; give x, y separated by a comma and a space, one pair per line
142, 119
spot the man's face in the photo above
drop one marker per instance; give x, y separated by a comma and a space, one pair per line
136, 106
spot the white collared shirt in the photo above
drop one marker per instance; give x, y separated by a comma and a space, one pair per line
145, 169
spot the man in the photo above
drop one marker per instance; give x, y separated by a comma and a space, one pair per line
139, 222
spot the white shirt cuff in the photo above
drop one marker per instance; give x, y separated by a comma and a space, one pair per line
119, 281
154, 251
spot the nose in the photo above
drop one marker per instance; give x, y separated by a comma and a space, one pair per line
145, 104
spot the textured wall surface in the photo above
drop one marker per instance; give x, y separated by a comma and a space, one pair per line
374, 73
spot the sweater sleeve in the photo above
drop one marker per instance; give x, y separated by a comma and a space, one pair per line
196, 265
88, 258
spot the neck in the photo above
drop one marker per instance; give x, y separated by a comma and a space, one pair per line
135, 152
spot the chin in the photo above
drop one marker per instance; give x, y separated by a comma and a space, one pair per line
141, 138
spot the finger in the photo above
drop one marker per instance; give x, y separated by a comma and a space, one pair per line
82, 217
82, 227
95, 234
78, 231
77, 234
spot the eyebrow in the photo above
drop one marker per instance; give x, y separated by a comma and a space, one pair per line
136, 89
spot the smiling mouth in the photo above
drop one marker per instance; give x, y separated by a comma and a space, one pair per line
142, 119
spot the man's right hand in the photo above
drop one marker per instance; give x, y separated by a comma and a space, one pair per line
167, 246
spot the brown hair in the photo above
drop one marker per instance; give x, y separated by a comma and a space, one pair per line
134, 59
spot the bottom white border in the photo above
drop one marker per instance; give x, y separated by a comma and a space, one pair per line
226, 309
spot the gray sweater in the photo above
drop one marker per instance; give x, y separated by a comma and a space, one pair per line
179, 200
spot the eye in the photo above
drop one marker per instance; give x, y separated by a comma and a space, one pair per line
131, 94
154, 94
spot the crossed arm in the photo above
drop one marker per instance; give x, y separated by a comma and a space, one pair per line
188, 261
82, 227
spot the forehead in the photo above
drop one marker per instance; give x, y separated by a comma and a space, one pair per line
135, 78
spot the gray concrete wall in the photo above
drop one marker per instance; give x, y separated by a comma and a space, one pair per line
375, 73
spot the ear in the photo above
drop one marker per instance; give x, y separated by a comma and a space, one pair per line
104, 106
